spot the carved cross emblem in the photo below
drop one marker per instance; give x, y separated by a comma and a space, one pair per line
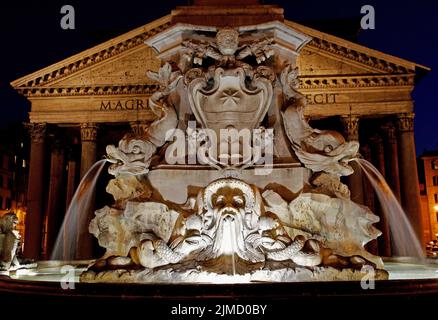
230, 97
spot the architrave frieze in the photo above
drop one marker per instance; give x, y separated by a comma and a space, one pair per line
363, 109
116, 108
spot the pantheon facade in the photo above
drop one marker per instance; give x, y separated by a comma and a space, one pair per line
91, 99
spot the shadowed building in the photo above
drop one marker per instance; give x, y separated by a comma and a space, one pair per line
428, 171
89, 100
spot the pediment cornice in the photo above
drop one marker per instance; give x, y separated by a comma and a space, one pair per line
45, 77
356, 81
355, 54
379, 69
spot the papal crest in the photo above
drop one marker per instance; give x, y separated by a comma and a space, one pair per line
228, 100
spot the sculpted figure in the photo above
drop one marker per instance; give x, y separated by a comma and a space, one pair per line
9, 240
318, 150
227, 226
229, 222
134, 153
225, 50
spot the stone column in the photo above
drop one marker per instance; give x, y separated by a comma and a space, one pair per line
368, 196
88, 158
35, 191
368, 191
378, 156
354, 181
71, 181
409, 185
55, 203
391, 159
89, 146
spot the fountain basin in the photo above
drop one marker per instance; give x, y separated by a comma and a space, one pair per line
49, 275
408, 284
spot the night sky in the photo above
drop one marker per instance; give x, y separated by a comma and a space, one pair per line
32, 38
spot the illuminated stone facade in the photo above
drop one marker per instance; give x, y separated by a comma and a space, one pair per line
91, 99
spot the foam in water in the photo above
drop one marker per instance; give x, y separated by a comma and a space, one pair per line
404, 240
76, 216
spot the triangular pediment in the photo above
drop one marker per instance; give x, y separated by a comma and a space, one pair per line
329, 53
313, 63
121, 63
128, 68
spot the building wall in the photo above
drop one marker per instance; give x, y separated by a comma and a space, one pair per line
6, 181
431, 185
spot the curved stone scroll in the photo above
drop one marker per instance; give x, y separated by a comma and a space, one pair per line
318, 150
134, 153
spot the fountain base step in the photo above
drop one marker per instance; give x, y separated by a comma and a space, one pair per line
298, 274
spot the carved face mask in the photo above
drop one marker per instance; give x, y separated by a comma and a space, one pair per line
227, 40
228, 202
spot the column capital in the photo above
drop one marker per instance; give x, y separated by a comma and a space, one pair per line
405, 122
89, 131
390, 132
139, 127
351, 126
37, 131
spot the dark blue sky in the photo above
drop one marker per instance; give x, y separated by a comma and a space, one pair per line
32, 39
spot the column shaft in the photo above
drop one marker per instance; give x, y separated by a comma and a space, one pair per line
369, 198
384, 241
71, 182
409, 185
34, 216
55, 204
88, 158
391, 159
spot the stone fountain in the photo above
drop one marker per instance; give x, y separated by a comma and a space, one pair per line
230, 183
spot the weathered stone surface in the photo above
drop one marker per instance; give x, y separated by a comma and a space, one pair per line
120, 230
190, 276
127, 187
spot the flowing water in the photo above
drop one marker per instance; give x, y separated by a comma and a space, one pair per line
404, 239
233, 248
76, 216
